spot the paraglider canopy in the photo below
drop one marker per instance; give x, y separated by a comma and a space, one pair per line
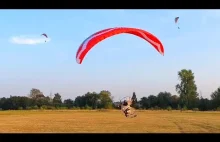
99, 36
176, 21
44, 35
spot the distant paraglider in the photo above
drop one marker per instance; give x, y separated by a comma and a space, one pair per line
45, 35
99, 36
176, 21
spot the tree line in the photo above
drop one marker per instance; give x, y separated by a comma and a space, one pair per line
188, 98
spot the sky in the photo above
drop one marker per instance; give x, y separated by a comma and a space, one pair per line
122, 64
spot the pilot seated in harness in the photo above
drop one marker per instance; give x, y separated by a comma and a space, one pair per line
126, 108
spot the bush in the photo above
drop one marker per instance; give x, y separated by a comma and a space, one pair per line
35, 107
20, 108
43, 107
102, 110
142, 109
28, 108
62, 108
50, 107
156, 108
151, 108
73, 107
77, 108
88, 107
195, 109
218, 108
185, 108
178, 108
169, 108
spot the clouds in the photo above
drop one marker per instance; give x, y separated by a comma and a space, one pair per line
29, 40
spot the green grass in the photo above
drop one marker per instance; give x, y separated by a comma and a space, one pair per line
74, 121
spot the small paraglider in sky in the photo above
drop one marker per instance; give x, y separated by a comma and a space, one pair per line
45, 35
176, 21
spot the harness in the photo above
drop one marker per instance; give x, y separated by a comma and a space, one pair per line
126, 110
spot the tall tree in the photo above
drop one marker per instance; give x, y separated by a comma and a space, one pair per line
153, 101
174, 101
215, 97
144, 102
69, 103
164, 99
204, 104
105, 99
187, 88
134, 97
80, 101
35, 93
92, 99
57, 100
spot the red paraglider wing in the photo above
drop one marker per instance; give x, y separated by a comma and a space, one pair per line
103, 34
45, 35
176, 19
90, 37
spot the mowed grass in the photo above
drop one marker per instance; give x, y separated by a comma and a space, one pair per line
73, 121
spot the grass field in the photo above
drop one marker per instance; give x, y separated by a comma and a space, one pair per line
73, 121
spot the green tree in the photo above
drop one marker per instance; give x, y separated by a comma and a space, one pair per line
134, 100
6, 103
69, 103
80, 101
35, 93
215, 97
57, 100
42, 101
13, 102
187, 88
105, 99
24, 102
174, 101
164, 99
94, 99
91, 99
204, 104
144, 102
153, 101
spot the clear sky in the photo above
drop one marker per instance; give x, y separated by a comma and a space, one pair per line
121, 64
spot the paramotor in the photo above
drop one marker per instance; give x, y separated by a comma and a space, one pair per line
125, 104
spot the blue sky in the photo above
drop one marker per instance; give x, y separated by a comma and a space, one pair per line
121, 64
